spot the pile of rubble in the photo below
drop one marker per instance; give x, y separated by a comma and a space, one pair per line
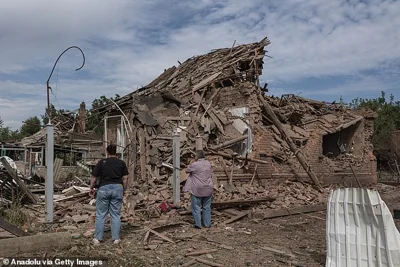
254, 142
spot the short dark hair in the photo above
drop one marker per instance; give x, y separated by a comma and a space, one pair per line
112, 149
200, 154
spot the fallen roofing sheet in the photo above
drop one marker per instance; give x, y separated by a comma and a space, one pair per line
360, 230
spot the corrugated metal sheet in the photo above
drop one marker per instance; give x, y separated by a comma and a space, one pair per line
360, 230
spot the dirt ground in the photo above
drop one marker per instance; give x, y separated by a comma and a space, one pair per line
244, 243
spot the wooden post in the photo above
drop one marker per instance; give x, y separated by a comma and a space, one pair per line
355, 176
142, 147
199, 142
297, 152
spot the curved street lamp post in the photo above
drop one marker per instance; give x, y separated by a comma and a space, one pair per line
49, 185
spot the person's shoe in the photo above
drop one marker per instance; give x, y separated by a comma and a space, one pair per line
116, 242
96, 242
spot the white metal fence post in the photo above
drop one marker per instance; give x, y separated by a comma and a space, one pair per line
176, 162
49, 185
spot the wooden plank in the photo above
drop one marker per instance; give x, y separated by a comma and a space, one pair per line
19, 182
158, 234
187, 118
209, 263
199, 104
72, 197
224, 167
5, 234
201, 252
232, 168
348, 124
217, 122
355, 176
142, 147
230, 142
254, 174
189, 263
237, 157
294, 211
279, 252
12, 228
236, 218
238, 202
203, 83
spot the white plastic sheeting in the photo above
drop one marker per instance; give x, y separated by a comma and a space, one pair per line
360, 230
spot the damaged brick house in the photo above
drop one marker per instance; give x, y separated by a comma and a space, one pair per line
218, 96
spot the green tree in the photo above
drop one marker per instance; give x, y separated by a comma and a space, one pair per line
54, 113
31, 126
387, 121
6, 134
95, 115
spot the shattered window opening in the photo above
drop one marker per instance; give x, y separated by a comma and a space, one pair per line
340, 142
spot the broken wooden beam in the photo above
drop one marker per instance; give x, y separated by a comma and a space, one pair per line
142, 147
237, 157
254, 174
189, 263
158, 234
236, 218
230, 142
201, 252
355, 176
28, 244
348, 124
292, 146
12, 228
20, 183
209, 263
294, 211
279, 252
203, 83
239, 202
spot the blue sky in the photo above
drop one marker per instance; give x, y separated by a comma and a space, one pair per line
320, 49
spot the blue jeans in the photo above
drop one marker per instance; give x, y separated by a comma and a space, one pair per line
109, 200
197, 203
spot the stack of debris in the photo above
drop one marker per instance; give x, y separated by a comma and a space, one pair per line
12, 186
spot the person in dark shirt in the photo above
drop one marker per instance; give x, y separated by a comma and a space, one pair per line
113, 175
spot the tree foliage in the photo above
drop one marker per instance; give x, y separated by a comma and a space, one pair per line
95, 116
54, 112
6, 133
388, 120
31, 126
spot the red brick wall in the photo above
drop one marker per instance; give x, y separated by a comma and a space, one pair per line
328, 171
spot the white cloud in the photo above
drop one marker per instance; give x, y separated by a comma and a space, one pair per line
129, 43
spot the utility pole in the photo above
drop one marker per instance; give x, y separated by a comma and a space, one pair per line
176, 181
49, 184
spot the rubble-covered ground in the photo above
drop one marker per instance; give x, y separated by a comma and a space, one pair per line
297, 240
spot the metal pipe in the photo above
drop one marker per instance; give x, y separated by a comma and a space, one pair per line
122, 138
105, 134
51, 73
